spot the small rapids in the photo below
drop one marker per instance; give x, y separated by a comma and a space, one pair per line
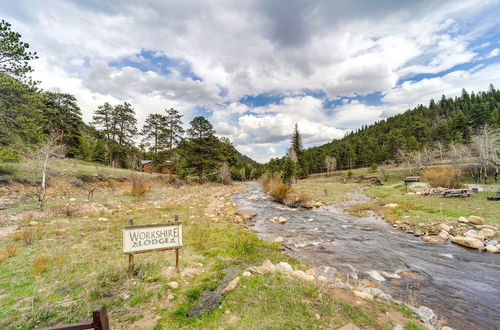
460, 285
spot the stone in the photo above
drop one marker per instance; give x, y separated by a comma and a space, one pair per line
363, 295
326, 271
322, 278
376, 275
492, 242
444, 234
471, 233
492, 249
284, 267
443, 226
247, 273
468, 242
279, 240
33, 223
433, 239
391, 205
390, 275
268, 267
231, 286
487, 232
427, 315
247, 212
476, 220
317, 316
173, 285
238, 219
302, 275
463, 219
349, 326
282, 220
170, 297
103, 219
318, 204
311, 272
485, 226
398, 327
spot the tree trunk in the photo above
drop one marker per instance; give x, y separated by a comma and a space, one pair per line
201, 175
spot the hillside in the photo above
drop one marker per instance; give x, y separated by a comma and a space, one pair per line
436, 126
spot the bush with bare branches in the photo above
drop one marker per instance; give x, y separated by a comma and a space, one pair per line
140, 185
446, 177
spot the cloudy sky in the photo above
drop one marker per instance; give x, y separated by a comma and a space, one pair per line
254, 68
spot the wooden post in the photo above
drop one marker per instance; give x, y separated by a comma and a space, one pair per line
177, 268
100, 318
131, 255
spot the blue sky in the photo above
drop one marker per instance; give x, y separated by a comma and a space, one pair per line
255, 68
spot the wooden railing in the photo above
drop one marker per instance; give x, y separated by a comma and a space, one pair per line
99, 322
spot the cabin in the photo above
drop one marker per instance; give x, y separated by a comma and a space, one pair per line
152, 166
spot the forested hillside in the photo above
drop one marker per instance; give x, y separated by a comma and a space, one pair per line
436, 127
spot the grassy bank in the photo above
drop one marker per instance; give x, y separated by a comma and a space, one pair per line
67, 265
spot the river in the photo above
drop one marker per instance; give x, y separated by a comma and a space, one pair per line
460, 285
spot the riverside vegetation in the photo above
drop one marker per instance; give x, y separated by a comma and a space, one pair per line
57, 265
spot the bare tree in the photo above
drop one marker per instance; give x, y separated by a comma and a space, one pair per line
225, 174
243, 174
485, 147
440, 149
42, 154
330, 164
407, 157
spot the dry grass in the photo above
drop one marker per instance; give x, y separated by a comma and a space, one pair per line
446, 177
40, 264
3, 256
281, 191
67, 210
11, 250
24, 235
140, 185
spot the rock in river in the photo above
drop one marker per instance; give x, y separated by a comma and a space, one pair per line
492, 249
487, 232
433, 239
376, 275
427, 315
468, 242
247, 212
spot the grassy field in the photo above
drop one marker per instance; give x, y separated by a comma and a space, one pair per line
69, 262
412, 208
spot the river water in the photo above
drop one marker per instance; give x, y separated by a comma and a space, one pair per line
460, 285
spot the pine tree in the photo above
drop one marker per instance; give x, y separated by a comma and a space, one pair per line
154, 130
173, 135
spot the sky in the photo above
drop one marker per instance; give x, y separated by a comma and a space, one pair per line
255, 68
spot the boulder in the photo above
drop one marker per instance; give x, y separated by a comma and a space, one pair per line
427, 315
375, 275
463, 219
247, 212
318, 204
492, 249
468, 242
311, 272
443, 226
492, 242
284, 267
282, 220
444, 234
279, 240
103, 219
302, 275
231, 286
268, 267
247, 273
476, 220
390, 275
364, 295
432, 239
378, 293
487, 232
173, 285
326, 271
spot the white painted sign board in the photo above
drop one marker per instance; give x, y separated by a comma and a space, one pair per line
145, 238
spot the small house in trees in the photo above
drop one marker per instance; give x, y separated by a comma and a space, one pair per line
153, 166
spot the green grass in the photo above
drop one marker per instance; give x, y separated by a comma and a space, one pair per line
329, 190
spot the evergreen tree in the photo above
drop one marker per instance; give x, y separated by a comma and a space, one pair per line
173, 135
202, 148
14, 54
154, 130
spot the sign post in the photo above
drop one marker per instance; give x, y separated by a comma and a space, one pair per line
152, 237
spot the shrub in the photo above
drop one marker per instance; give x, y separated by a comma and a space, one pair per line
140, 185
349, 174
3, 256
25, 235
373, 168
7, 169
225, 174
9, 155
446, 177
40, 264
281, 191
67, 210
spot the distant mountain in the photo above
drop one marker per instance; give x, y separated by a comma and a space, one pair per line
440, 123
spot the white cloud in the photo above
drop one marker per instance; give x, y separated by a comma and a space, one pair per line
494, 53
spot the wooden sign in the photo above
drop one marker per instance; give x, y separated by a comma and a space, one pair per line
146, 238
152, 237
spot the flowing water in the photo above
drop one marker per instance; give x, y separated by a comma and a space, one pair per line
460, 285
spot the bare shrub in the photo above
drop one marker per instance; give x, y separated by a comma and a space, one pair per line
446, 177
140, 185
225, 174
40, 264
67, 210
25, 235
3, 256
